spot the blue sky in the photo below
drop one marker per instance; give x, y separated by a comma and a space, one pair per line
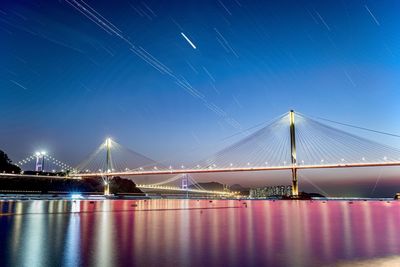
66, 83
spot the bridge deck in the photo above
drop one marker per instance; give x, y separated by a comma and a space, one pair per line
246, 169
214, 170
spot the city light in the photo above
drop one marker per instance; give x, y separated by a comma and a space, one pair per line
76, 196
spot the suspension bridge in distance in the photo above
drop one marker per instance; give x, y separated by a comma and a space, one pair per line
185, 190
292, 142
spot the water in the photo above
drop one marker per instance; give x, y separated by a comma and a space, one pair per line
199, 233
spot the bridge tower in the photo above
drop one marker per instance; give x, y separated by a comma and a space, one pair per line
39, 167
295, 188
185, 184
108, 167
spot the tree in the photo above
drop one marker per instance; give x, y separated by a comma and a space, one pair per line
6, 164
120, 185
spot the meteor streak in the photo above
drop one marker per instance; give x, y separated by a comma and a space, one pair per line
188, 40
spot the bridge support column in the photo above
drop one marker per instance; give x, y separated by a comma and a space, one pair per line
106, 186
295, 188
295, 185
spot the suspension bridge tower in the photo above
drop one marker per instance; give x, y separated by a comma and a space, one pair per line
39, 166
295, 188
108, 167
185, 184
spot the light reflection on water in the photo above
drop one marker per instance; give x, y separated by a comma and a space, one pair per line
198, 233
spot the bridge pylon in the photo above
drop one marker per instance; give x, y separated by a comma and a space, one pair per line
108, 167
185, 184
39, 167
295, 185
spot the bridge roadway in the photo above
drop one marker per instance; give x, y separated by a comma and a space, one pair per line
242, 169
19, 175
213, 170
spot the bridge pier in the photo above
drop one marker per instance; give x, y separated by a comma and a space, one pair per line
295, 184
106, 186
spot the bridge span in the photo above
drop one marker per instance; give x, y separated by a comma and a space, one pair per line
245, 169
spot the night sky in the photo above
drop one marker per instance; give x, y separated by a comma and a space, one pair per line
205, 70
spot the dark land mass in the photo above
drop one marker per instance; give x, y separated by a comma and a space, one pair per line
6, 164
87, 185
212, 186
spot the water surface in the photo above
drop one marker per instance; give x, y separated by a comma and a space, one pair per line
199, 233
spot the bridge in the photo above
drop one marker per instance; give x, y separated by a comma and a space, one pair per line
183, 190
39, 159
291, 142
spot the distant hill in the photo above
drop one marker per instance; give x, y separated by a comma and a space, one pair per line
212, 186
241, 189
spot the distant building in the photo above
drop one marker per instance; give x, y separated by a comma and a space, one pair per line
269, 191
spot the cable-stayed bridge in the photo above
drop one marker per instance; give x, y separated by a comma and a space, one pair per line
291, 142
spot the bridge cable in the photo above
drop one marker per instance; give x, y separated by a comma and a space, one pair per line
355, 126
